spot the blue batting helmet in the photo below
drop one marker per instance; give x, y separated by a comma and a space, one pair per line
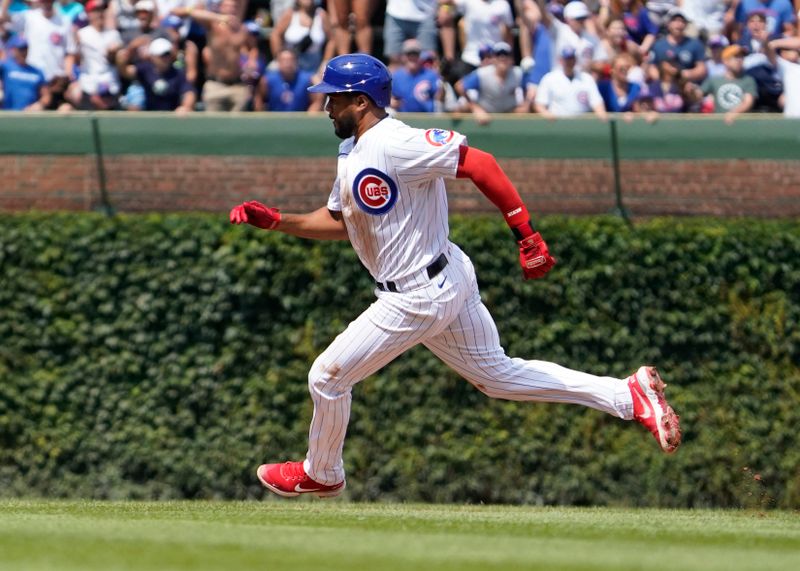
356, 73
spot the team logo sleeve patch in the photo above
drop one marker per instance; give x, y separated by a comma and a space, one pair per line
438, 137
374, 191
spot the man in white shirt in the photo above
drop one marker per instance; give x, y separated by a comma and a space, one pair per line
568, 91
571, 33
409, 20
98, 46
486, 22
788, 63
51, 43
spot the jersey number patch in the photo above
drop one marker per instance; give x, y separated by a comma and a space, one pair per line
374, 191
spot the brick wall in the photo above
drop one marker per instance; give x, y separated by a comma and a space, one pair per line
140, 183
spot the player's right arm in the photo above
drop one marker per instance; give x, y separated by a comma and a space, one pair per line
321, 224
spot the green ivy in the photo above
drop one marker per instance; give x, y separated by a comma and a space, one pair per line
166, 356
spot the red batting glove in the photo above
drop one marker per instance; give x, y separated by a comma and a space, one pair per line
256, 214
534, 257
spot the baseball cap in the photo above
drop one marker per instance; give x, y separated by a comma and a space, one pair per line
576, 10
502, 49
732, 51
17, 42
556, 9
676, 13
93, 5
758, 13
568, 52
427, 55
484, 50
145, 6
172, 21
718, 41
253, 27
159, 47
412, 46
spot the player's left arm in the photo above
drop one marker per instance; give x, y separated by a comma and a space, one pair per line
482, 169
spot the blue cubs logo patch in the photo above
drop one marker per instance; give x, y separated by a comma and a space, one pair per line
375, 192
438, 137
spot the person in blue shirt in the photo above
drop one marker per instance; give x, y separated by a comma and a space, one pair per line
24, 86
675, 45
618, 93
415, 88
285, 88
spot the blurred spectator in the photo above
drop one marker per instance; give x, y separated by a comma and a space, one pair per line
641, 29
188, 55
252, 60
707, 16
224, 88
536, 45
780, 15
306, 29
675, 45
494, 88
286, 87
24, 86
51, 45
407, 20
415, 87
734, 92
619, 94
714, 65
787, 60
571, 33
617, 41
484, 21
165, 87
98, 46
567, 91
666, 93
360, 11
757, 64
122, 15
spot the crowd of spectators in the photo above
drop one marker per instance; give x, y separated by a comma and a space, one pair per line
556, 58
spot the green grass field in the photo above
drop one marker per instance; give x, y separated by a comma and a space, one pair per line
332, 535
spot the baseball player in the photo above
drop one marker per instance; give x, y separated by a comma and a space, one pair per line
389, 200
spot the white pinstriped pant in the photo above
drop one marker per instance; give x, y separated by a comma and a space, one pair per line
451, 321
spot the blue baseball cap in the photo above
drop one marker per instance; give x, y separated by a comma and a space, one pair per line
252, 27
172, 21
17, 42
568, 52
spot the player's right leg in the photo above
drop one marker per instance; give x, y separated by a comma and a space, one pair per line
471, 346
390, 326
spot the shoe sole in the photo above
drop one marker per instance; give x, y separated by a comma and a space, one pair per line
323, 495
669, 423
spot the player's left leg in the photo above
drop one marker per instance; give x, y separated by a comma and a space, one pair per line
471, 346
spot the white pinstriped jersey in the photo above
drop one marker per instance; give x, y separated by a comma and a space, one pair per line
390, 190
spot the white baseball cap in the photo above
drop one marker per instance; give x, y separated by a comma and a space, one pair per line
159, 47
145, 6
576, 10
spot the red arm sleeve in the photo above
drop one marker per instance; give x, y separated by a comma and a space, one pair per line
482, 169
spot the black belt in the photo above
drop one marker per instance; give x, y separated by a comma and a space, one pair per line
433, 270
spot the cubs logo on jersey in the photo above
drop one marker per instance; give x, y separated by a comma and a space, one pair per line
375, 192
438, 137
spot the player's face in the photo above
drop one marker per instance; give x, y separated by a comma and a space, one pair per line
341, 109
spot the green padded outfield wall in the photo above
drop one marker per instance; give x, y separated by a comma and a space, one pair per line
301, 135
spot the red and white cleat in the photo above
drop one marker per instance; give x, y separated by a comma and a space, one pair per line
650, 408
290, 479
